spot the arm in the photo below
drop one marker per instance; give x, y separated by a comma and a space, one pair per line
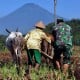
26, 36
47, 37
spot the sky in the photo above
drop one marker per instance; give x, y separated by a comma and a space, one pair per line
68, 9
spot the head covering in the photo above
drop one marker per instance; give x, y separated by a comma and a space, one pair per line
59, 20
40, 24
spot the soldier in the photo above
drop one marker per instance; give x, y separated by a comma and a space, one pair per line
62, 44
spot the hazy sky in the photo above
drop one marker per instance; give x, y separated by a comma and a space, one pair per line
65, 8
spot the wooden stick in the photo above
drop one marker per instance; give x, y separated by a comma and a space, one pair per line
46, 55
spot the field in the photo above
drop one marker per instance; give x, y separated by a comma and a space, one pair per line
8, 70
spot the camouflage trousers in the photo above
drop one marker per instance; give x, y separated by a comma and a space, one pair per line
65, 50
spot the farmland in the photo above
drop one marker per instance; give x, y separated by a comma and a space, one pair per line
8, 70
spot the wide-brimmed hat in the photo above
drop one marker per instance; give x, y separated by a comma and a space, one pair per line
40, 24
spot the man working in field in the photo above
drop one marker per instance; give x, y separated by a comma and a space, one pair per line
63, 44
33, 41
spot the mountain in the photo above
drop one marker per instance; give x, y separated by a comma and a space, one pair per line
24, 18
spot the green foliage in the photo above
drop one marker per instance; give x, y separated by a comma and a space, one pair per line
44, 73
2, 42
49, 28
75, 24
9, 71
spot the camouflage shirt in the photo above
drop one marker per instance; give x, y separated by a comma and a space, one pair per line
63, 34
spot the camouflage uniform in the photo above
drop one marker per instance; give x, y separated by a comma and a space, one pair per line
63, 42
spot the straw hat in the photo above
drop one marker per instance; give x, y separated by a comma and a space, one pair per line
40, 24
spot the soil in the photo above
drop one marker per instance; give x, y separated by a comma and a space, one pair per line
5, 57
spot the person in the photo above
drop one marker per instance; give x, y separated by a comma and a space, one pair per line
33, 41
62, 45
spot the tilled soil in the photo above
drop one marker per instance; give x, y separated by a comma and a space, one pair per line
5, 57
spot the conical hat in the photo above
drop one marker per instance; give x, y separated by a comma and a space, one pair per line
40, 24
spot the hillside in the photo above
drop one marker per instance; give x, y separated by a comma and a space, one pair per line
24, 18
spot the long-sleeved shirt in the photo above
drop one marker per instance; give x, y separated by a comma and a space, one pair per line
34, 38
63, 34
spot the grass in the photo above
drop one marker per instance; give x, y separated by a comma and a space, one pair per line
8, 71
45, 73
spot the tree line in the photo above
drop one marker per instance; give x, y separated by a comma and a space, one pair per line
74, 23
